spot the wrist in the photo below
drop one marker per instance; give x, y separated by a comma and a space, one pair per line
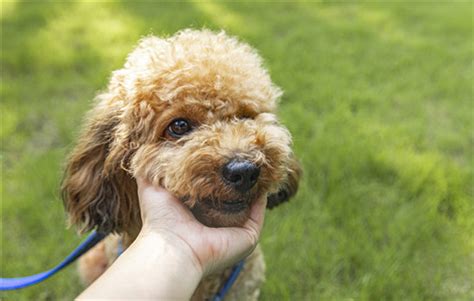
164, 252
152, 268
171, 245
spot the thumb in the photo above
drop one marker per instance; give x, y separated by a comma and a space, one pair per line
241, 241
158, 206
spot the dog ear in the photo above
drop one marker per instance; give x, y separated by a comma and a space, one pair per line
289, 188
97, 190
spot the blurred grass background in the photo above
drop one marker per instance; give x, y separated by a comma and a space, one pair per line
377, 96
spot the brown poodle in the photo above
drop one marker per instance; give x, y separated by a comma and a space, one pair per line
193, 113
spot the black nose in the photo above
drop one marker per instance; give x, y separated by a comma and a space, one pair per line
242, 175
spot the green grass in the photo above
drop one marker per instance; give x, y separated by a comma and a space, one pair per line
377, 96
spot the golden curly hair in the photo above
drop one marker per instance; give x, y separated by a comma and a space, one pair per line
194, 113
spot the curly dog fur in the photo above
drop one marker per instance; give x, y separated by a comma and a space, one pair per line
226, 98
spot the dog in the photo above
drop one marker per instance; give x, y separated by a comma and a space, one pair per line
194, 113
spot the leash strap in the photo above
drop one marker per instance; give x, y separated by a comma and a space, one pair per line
20, 282
94, 238
230, 281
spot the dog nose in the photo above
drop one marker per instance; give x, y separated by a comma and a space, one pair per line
242, 175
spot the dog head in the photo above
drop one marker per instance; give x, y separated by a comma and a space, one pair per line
193, 113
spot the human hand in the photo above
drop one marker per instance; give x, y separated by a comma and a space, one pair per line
210, 249
173, 251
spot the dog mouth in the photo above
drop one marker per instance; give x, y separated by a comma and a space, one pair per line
233, 206
225, 212
230, 206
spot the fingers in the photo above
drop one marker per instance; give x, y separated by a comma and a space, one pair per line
163, 213
160, 207
257, 215
141, 183
148, 193
241, 241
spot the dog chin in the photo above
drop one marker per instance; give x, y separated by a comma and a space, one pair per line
225, 214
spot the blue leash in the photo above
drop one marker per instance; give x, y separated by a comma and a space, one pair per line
21, 282
230, 281
94, 238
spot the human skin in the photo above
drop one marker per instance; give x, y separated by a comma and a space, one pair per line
173, 251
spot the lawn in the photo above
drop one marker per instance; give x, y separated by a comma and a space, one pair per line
378, 98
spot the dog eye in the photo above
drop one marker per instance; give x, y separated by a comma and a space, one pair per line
178, 127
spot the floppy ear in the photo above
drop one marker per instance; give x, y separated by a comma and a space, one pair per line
97, 190
289, 188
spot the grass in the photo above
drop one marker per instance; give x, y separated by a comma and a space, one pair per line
377, 96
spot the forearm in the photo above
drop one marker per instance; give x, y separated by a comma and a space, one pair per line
151, 268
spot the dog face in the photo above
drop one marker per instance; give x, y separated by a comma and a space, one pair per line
193, 113
218, 164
